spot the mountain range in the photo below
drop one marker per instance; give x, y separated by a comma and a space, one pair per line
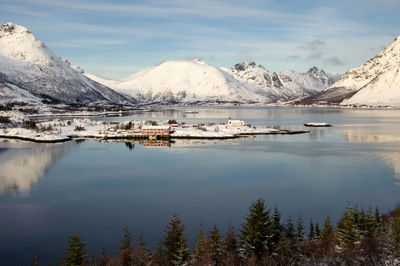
195, 82
30, 72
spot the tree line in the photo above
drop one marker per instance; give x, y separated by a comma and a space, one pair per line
360, 237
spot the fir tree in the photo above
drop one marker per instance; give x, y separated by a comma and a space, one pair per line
76, 253
289, 229
378, 221
276, 228
174, 243
199, 249
215, 245
311, 231
143, 252
347, 228
230, 240
256, 231
317, 234
126, 249
299, 236
396, 228
328, 229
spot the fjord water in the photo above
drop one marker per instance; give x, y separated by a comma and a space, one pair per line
51, 191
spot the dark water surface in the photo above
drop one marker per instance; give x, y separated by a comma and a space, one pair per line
51, 191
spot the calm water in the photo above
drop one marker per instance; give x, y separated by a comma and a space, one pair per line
49, 192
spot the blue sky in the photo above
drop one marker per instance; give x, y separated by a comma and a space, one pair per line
118, 38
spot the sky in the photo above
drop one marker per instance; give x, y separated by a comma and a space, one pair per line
118, 38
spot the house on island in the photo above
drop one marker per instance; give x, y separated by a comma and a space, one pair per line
235, 123
162, 131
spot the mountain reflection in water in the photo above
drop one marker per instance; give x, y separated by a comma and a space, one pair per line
389, 154
23, 164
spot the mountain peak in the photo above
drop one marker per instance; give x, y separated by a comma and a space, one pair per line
11, 28
244, 65
18, 43
199, 61
316, 70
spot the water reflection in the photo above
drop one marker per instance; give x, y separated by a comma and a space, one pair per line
23, 164
390, 154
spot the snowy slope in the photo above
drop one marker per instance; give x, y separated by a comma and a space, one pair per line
182, 81
27, 63
378, 80
286, 85
194, 82
375, 83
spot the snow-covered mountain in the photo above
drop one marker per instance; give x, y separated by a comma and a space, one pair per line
180, 81
375, 83
26, 64
194, 81
286, 85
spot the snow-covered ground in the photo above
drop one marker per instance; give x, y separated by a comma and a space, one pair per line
61, 130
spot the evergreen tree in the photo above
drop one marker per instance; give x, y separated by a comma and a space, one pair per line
199, 249
396, 228
311, 231
378, 221
299, 236
230, 240
256, 231
215, 245
289, 229
76, 253
317, 234
174, 243
347, 228
328, 230
126, 249
143, 252
276, 228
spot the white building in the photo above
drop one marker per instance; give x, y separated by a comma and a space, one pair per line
235, 123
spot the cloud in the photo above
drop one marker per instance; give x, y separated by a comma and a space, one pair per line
313, 45
86, 43
334, 61
293, 57
316, 51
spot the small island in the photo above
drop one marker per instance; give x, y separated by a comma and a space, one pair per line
56, 130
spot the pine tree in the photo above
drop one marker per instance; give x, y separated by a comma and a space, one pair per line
328, 229
174, 243
289, 229
299, 236
317, 234
276, 228
215, 245
143, 253
378, 221
230, 247
199, 249
76, 253
126, 249
256, 231
347, 228
396, 228
311, 231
